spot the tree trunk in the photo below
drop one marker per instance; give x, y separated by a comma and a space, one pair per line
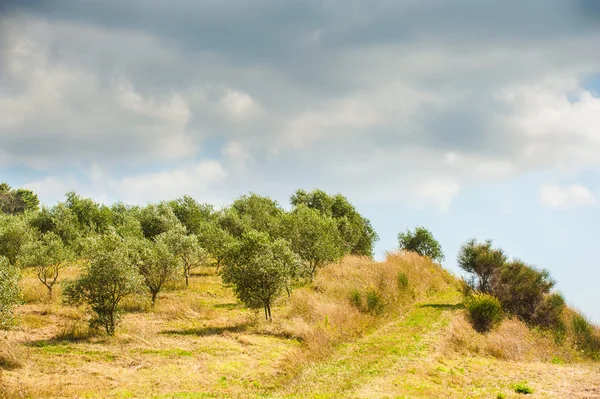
187, 280
153, 300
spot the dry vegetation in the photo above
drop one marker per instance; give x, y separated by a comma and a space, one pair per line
359, 331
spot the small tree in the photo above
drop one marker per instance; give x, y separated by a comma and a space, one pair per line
482, 262
157, 265
110, 275
187, 248
47, 256
14, 234
314, 237
422, 242
157, 219
216, 240
18, 201
9, 291
259, 269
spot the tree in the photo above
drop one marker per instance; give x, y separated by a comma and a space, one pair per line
14, 234
60, 220
314, 237
9, 291
156, 219
14, 202
356, 231
258, 213
421, 242
110, 275
157, 265
216, 240
259, 269
92, 217
187, 248
47, 255
191, 213
482, 262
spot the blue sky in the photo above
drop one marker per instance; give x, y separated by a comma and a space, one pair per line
474, 118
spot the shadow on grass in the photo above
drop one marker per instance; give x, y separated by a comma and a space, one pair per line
228, 306
444, 306
209, 331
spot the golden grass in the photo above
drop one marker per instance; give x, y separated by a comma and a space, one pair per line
201, 343
511, 340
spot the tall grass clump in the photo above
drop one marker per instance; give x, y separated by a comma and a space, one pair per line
586, 336
356, 294
485, 312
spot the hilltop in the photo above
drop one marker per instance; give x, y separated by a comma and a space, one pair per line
362, 329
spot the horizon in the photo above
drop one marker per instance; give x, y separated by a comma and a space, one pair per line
469, 118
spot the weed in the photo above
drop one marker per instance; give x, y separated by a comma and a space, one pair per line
523, 389
484, 312
402, 280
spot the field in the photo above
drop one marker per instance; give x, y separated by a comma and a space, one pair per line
201, 343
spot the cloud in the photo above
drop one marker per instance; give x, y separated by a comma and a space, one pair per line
566, 197
411, 100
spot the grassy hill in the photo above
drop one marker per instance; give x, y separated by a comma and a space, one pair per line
363, 329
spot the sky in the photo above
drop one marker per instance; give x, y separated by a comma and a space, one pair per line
473, 118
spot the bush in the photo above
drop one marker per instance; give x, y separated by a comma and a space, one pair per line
402, 281
374, 301
522, 388
523, 289
586, 339
549, 312
356, 299
485, 312
421, 242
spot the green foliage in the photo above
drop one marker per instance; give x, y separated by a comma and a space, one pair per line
314, 237
586, 337
192, 214
60, 220
91, 216
484, 311
481, 261
47, 255
9, 291
421, 242
157, 264
358, 235
156, 219
14, 233
187, 249
259, 269
110, 275
125, 220
374, 302
402, 280
356, 299
14, 202
253, 212
522, 290
216, 240
523, 389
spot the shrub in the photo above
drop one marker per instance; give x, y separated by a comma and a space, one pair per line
586, 339
522, 289
356, 299
375, 303
9, 291
421, 242
484, 312
522, 388
402, 280
549, 312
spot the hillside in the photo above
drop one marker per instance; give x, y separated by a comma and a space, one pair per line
363, 329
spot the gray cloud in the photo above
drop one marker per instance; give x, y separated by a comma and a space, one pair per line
321, 92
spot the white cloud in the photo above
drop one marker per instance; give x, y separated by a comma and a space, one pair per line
566, 197
238, 105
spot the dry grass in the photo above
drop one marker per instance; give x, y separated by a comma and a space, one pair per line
511, 340
201, 343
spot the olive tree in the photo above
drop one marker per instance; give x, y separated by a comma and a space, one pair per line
47, 256
216, 240
157, 265
14, 234
259, 269
422, 242
17, 201
9, 291
187, 248
110, 275
482, 261
314, 237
